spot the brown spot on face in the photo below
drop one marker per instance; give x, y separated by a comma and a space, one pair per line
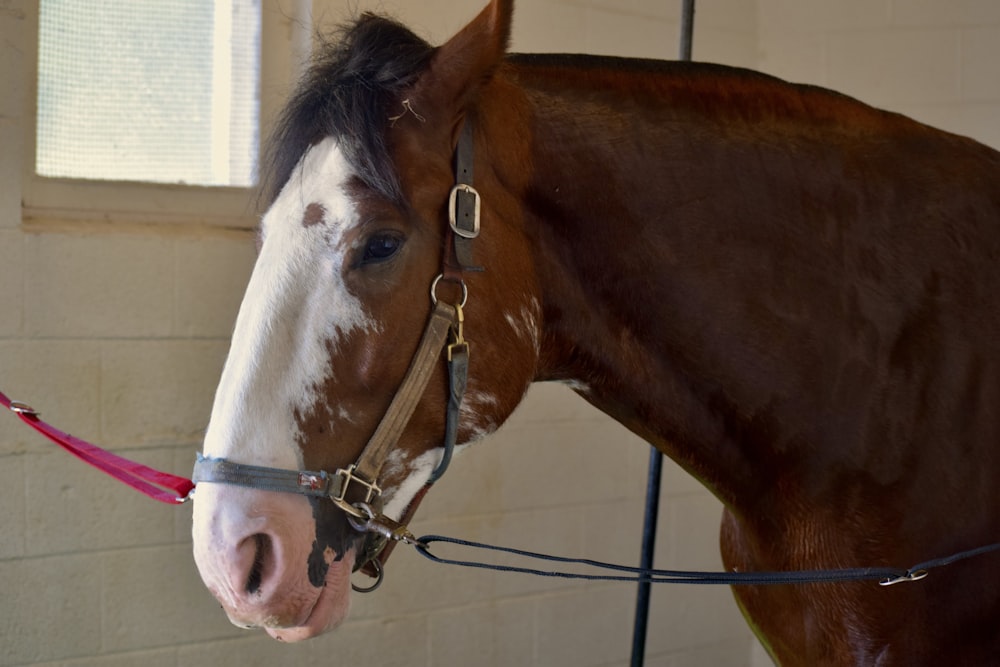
314, 215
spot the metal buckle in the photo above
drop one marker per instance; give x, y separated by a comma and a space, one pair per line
23, 409
453, 211
372, 491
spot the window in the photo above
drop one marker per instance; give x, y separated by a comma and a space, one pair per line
149, 111
148, 90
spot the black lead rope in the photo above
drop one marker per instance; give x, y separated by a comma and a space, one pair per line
884, 575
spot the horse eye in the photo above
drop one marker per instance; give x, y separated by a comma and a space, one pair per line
381, 246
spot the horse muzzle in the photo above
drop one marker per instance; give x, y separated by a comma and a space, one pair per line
256, 553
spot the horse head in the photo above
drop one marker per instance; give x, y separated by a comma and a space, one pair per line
360, 173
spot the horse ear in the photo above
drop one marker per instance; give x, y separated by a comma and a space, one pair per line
465, 62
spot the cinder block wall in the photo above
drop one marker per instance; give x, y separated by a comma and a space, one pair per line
933, 60
119, 332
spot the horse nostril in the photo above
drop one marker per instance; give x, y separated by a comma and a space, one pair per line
262, 549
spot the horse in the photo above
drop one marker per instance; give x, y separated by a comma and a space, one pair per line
790, 293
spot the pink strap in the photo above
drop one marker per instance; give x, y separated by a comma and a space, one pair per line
175, 490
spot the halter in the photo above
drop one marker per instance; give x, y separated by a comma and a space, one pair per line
443, 332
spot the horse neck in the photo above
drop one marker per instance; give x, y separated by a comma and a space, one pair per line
629, 205
728, 266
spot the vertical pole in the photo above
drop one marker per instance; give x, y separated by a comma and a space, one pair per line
646, 558
687, 29
655, 457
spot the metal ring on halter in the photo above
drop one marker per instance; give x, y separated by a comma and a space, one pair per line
362, 520
379, 577
434, 284
352, 511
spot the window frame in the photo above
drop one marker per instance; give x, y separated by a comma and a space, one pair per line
285, 41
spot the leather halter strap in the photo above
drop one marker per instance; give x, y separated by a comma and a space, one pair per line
464, 206
443, 319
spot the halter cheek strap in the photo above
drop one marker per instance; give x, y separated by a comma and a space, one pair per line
464, 206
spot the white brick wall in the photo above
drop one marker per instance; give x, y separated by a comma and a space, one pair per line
119, 333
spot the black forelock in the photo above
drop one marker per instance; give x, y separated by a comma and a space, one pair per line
348, 92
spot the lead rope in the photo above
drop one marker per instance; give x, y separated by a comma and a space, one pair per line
886, 576
161, 486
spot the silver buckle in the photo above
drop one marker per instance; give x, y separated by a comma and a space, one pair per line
20, 408
453, 211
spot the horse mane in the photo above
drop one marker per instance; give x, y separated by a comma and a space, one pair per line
347, 92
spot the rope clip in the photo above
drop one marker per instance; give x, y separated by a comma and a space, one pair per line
381, 525
909, 576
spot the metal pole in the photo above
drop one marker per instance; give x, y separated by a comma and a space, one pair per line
655, 457
646, 559
687, 29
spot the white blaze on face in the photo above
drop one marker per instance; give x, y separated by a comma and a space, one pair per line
252, 547
295, 309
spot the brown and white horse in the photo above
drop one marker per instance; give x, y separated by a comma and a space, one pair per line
793, 295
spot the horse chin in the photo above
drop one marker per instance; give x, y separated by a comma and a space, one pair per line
331, 606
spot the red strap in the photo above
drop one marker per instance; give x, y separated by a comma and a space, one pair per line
175, 490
